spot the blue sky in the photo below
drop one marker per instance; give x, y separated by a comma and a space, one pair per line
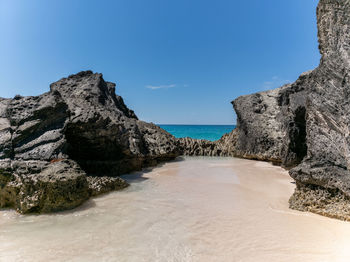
174, 61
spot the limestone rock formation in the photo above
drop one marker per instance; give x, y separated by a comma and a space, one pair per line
60, 148
324, 172
50, 143
37, 186
305, 125
225, 146
101, 185
271, 124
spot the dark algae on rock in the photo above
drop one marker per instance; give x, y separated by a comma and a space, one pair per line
60, 148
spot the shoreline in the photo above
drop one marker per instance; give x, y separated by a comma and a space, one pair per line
197, 209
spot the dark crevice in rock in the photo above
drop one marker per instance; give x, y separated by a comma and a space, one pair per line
85, 143
298, 138
304, 125
296, 132
70, 143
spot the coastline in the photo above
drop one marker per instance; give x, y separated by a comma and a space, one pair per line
62, 147
196, 209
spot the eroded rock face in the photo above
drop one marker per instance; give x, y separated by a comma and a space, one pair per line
101, 185
83, 119
80, 120
305, 126
43, 187
225, 146
37, 186
326, 166
271, 125
49, 143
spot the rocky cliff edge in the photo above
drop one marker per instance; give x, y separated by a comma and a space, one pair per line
305, 126
60, 148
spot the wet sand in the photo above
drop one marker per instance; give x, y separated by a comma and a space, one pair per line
198, 209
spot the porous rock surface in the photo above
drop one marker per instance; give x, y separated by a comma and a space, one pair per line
36, 186
225, 146
323, 177
60, 148
271, 124
305, 126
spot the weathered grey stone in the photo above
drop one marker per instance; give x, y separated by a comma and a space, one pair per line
225, 146
326, 166
38, 186
271, 124
101, 185
83, 119
305, 125
50, 143
326, 202
42, 187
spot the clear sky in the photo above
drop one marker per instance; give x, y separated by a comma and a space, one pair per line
174, 61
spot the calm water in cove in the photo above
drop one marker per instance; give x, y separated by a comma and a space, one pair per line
208, 132
196, 209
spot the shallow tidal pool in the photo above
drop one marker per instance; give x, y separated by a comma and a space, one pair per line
193, 209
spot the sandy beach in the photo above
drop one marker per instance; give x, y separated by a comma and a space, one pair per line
193, 209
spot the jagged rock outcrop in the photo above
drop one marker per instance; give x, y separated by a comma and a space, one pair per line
101, 185
323, 177
305, 125
36, 186
225, 146
51, 145
271, 124
60, 148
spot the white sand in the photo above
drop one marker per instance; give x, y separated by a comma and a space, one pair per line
200, 209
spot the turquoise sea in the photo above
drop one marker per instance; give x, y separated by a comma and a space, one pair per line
208, 132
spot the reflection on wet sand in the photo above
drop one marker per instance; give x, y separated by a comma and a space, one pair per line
198, 209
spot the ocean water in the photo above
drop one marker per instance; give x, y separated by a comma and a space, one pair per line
190, 210
208, 132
